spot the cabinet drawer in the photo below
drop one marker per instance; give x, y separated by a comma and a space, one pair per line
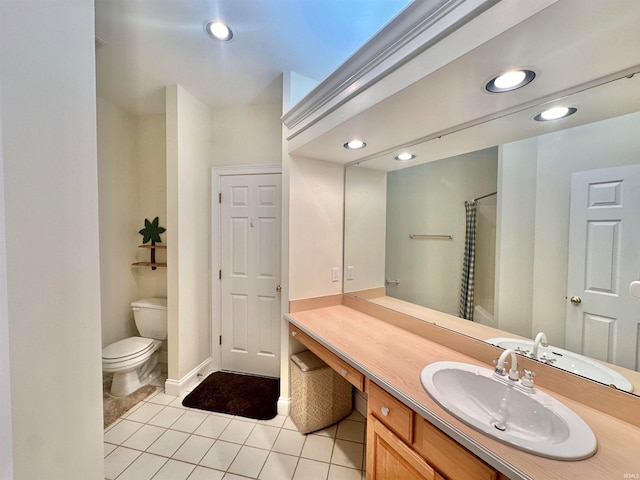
394, 414
448, 457
343, 368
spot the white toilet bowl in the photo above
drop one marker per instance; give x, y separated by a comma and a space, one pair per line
133, 362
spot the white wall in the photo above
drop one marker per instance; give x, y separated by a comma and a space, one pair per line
315, 227
47, 100
535, 217
429, 199
188, 231
365, 225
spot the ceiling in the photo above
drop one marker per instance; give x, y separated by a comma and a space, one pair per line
145, 45
572, 45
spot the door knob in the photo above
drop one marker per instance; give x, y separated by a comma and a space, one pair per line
279, 288
576, 300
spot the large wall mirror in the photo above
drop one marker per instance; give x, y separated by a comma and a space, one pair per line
555, 230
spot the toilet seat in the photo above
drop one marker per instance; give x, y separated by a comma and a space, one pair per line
127, 349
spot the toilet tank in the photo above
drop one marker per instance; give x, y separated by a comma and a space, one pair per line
150, 315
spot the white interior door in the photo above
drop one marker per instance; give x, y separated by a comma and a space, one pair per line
250, 273
602, 317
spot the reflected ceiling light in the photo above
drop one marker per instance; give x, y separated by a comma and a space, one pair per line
511, 80
555, 113
218, 30
404, 157
355, 144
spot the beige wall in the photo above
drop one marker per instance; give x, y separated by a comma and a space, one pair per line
151, 160
315, 227
118, 188
429, 199
246, 135
132, 187
51, 201
188, 228
365, 226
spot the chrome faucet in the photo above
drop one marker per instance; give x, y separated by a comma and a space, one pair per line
513, 370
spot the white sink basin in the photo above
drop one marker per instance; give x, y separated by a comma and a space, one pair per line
534, 422
569, 361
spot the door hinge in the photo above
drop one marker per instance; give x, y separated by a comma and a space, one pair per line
220, 198
220, 274
220, 340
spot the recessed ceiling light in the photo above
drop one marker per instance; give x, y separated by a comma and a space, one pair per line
218, 30
511, 80
555, 113
404, 157
355, 144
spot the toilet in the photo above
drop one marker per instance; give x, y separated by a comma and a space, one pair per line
134, 360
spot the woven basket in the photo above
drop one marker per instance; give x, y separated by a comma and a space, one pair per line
319, 398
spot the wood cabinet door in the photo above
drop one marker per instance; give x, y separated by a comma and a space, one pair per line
388, 458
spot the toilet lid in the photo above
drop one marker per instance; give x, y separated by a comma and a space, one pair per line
129, 347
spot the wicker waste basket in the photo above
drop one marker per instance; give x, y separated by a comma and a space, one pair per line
319, 395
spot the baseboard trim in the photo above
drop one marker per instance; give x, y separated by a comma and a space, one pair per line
360, 402
284, 406
178, 387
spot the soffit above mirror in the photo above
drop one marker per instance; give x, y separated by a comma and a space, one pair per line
559, 42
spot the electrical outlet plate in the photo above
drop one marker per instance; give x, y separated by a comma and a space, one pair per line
335, 274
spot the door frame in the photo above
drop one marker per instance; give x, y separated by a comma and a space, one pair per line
216, 284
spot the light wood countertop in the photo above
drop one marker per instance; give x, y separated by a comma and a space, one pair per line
394, 358
476, 330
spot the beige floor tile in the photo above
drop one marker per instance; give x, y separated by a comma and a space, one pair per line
167, 417
202, 473
262, 436
336, 472
348, 454
189, 422
193, 449
220, 455
121, 432
144, 413
213, 426
289, 442
311, 470
143, 468
278, 467
168, 443
174, 470
118, 460
318, 447
249, 462
237, 431
351, 430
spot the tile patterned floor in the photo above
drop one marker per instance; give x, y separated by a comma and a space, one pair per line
159, 439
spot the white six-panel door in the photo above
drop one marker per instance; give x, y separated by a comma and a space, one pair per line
603, 319
250, 273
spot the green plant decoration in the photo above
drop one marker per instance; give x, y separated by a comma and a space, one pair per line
151, 231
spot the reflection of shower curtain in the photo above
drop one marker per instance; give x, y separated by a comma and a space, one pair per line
468, 263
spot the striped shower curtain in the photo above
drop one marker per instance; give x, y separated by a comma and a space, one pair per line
469, 261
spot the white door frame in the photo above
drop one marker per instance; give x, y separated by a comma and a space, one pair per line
216, 316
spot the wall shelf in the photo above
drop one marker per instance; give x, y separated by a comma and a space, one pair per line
149, 264
153, 264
